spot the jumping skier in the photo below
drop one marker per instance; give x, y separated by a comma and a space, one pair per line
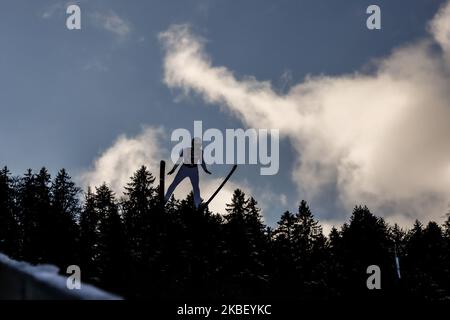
190, 157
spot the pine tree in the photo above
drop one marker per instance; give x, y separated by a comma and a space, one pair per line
309, 244
320, 261
335, 274
415, 244
89, 238
244, 252
113, 258
143, 228
36, 216
236, 246
415, 274
284, 233
236, 210
195, 236
446, 258
365, 242
398, 240
334, 239
65, 212
179, 261
447, 227
9, 223
28, 216
284, 255
141, 197
258, 238
45, 217
306, 229
433, 261
398, 236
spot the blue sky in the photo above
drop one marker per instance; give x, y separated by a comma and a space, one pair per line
67, 95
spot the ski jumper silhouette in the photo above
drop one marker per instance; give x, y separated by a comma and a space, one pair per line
190, 157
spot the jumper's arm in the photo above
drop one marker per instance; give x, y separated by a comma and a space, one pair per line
204, 165
176, 164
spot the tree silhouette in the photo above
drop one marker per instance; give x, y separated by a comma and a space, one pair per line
35, 212
365, 242
89, 238
284, 256
425, 272
112, 253
310, 245
446, 255
9, 224
244, 245
65, 213
136, 248
143, 228
140, 200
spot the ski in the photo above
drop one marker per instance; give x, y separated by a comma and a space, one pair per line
162, 174
204, 205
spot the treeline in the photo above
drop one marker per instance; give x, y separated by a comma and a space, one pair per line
133, 247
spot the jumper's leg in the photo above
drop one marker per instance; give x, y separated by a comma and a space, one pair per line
193, 176
181, 175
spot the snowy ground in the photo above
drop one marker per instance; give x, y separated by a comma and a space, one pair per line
21, 280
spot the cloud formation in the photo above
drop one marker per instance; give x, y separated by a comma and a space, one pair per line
112, 22
117, 164
49, 11
380, 139
108, 20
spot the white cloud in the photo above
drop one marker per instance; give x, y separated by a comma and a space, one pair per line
380, 139
109, 21
327, 225
112, 23
440, 29
56, 10
96, 64
117, 164
52, 10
